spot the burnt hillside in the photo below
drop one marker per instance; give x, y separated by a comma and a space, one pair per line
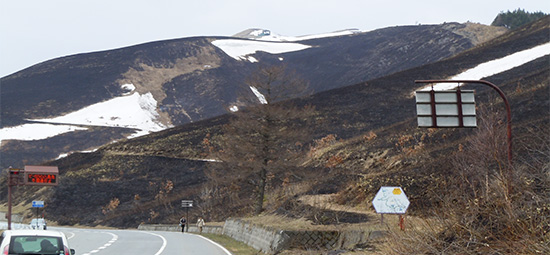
192, 80
151, 174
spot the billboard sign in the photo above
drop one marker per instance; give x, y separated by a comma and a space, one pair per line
446, 108
41, 175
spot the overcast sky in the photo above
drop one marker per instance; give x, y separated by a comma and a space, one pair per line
33, 31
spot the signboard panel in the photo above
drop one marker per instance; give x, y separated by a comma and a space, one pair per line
187, 203
38, 204
41, 175
390, 200
448, 108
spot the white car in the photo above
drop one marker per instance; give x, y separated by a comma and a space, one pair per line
30, 242
38, 224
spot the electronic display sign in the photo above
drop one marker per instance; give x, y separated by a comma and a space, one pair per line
42, 179
41, 175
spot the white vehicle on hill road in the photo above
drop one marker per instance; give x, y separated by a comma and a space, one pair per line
38, 224
30, 242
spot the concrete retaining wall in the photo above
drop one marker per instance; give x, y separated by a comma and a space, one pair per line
15, 217
265, 239
271, 241
193, 229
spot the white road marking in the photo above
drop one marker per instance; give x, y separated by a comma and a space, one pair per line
219, 246
71, 235
107, 244
163, 242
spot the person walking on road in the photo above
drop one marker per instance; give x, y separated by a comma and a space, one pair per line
183, 221
200, 224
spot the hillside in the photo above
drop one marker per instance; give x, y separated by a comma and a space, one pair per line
370, 139
191, 79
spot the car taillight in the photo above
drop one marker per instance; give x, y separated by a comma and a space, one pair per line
66, 250
6, 250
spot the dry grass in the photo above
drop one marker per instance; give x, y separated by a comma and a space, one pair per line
479, 33
489, 207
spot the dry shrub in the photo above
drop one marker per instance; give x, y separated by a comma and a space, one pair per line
490, 207
411, 145
334, 161
370, 136
111, 206
322, 143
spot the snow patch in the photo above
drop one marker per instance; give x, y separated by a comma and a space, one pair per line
128, 89
64, 155
332, 34
133, 111
252, 59
266, 35
259, 95
39, 131
239, 49
129, 111
495, 66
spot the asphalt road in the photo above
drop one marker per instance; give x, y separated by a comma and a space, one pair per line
132, 242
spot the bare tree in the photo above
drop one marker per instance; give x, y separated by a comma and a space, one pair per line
264, 140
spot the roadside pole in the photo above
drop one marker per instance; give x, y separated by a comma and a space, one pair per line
508, 116
31, 175
187, 204
9, 204
13, 180
502, 95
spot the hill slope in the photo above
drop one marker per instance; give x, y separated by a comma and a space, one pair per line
376, 143
191, 79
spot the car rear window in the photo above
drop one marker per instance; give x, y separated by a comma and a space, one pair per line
36, 245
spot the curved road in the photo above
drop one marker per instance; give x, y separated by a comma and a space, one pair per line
132, 242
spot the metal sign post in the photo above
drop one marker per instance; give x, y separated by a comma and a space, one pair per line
496, 88
37, 205
14, 179
187, 204
31, 175
508, 116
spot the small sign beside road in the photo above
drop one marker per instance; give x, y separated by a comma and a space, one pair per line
187, 203
38, 204
390, 200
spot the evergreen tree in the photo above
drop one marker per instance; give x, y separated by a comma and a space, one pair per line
517, 18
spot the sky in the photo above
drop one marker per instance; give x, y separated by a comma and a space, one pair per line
33, 31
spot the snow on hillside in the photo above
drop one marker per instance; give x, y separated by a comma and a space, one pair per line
131, 110
267, 35
496, 66
259, 95
239, 49
29, 132
264, 40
